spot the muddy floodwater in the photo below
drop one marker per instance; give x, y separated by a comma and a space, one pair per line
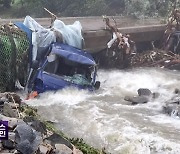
104, 119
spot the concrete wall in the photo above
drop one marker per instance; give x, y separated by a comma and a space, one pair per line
95, 35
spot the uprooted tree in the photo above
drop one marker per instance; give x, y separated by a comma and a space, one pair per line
120, 46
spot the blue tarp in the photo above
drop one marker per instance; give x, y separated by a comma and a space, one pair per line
73, 54
25, 29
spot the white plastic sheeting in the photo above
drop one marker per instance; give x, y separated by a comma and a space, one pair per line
71, 33
114, 38
42, 37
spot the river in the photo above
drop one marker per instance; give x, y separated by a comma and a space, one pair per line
104, 119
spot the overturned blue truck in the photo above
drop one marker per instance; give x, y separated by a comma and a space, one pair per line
51, 59
62, 66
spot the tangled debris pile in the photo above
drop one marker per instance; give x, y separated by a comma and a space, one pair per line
121, 50
120, 47
28, 134
168, 56
155, 58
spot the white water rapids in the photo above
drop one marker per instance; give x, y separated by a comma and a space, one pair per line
104, 119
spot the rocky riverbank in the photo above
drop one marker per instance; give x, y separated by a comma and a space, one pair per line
29, 134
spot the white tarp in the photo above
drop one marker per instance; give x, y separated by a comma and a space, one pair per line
42, 37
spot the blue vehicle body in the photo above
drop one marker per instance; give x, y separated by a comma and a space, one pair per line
64, 66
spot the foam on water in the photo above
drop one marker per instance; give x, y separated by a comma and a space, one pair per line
104, 119
69, 96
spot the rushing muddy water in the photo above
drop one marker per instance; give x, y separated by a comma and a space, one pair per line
104, 119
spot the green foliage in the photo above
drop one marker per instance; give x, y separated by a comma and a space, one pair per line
85, 148
79, 143
147, 8
6, 3
136, 8
50, 126
30, 111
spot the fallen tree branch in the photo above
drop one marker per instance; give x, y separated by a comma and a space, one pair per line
124, 41
53, 16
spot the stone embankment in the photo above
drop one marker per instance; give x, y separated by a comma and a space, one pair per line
28, 134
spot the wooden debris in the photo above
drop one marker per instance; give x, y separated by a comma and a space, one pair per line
171, 39
53, 16
123, 42
120, 47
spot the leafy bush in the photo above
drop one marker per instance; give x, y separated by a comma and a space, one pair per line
6, 3
136, 8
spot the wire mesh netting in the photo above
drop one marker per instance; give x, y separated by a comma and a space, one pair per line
14, 47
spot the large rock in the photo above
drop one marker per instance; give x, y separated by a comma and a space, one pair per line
8, 144
57, 139
62, 149
39, 126
45, 149
8, 111
25, 147
24, 132
12, 122
137, 99
144, 96
76, 151
27, 139
144, 92
176, 91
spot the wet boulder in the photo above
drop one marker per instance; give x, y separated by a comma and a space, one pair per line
57, 139
23, 132
26, 139
39, 126
144, 92
176, 91
62, 149
25, 147
8, 144
8, 110
45, 149
172, 109
144, 96
137, 99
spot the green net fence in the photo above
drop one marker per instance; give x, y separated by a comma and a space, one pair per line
14, 47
